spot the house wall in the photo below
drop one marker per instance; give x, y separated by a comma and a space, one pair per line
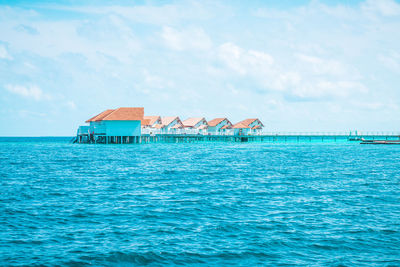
83, 130
156, 122
222, 124
202, 122
97, 127
202, 131
212, 129
123, 128
216, 129
150, 130
256, 131
254, 123
227, 131
168, 129
245, 131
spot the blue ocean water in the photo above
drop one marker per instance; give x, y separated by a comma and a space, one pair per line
245, 204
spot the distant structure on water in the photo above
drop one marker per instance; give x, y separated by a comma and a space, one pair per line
220, 126
128, 124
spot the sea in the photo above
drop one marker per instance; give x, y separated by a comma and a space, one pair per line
198, 204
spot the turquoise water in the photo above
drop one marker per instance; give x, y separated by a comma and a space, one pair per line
335, 204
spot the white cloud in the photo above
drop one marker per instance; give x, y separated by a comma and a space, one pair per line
71, 105
327, 88
283, 81
109, 33
259, 66
244, 61
312, 56
27, 113
376, 106
26, 29
391, 61
4, 53
307, 77
187, 39
30, 91
231, 55
382, 7
155, 82
164, 14
322, 66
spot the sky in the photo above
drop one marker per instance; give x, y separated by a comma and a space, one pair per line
298, 66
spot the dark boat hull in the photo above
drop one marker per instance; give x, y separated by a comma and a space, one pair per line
380, 142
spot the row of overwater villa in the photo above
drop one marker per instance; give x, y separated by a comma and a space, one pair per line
128, 125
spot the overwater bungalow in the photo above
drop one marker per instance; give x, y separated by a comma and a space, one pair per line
121, 125
170, 125
248, 127
226, 130
128, 124
150, 121
195, 125
149, 124
218, 126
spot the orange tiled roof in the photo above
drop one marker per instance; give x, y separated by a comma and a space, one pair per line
100, 116
240, 125
119, 114
216, 121
247, 122
176, 126
256, 127
146, 122
190, 122
226, 127
125, 114
150, 120
167, 120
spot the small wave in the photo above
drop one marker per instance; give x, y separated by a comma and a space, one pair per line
184, 258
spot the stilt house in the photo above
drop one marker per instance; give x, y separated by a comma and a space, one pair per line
149, 124
170, 125
116, 125
195, 125
248, 127
218, 126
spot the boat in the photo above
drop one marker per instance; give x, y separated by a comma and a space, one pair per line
379, 142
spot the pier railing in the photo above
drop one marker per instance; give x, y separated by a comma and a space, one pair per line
262, 137
278, 133
353, 133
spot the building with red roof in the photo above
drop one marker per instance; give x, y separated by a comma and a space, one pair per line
248, 127
195, 125
219, 126
150, 125
171, 125
150, 121
120, 122
120, 125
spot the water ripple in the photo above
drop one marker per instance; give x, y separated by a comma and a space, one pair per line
198, 204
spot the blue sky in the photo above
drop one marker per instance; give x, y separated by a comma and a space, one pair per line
296, 65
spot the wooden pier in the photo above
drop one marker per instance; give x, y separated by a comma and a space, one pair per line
268, 138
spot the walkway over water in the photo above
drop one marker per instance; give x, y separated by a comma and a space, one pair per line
270, 137
169, 138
